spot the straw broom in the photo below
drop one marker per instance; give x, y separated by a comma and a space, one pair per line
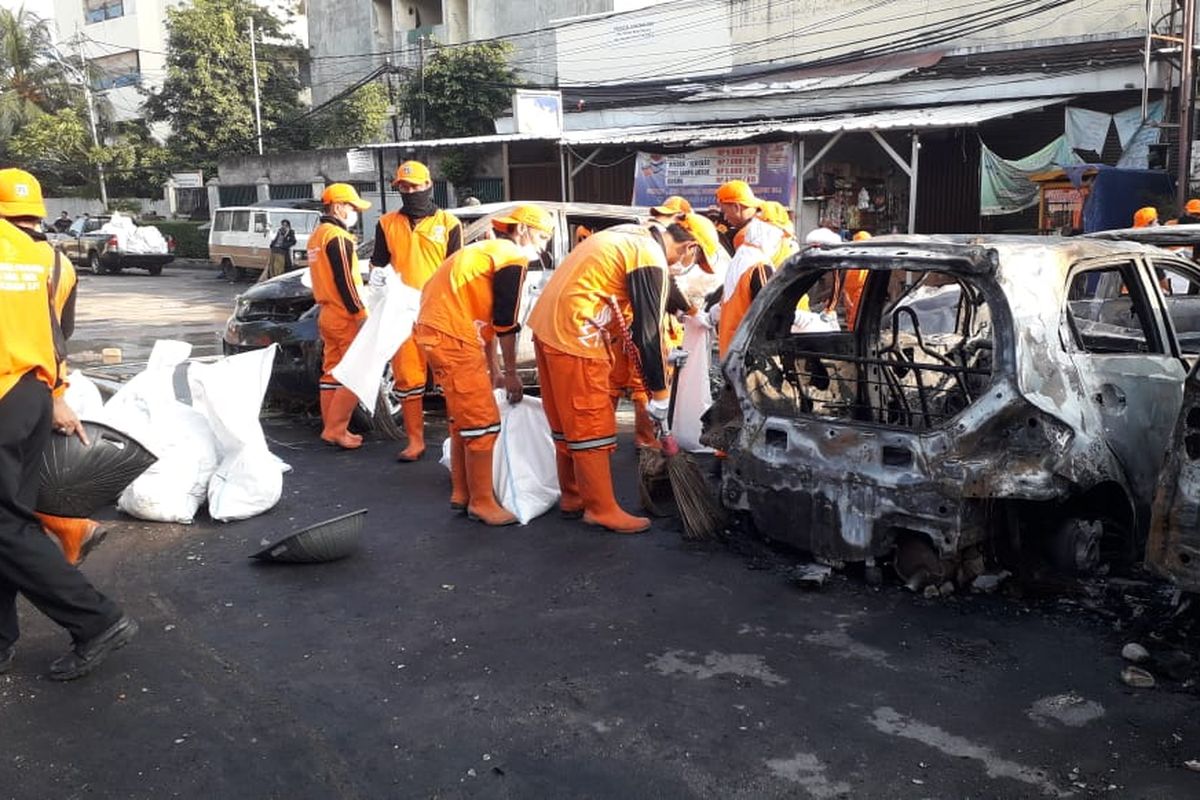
702, 515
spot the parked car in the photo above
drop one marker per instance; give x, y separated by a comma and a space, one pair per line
1003, 394
239, 240
282, 310
101, 251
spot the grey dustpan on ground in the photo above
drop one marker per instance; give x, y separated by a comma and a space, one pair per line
77, 480
325, 541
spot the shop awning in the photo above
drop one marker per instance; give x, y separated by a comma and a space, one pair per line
964, 115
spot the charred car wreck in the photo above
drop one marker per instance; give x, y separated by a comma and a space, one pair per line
994, 395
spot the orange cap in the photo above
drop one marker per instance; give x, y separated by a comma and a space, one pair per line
20, 194
861, 236
413, 172
705, 234
529, 214
343, 193
738, 192
673, 205
1193, 207
1144, 217
777, 214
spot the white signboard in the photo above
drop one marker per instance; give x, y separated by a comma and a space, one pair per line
653, 43
358, 161
538, 113
188, 180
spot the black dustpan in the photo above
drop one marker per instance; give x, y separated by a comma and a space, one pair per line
325, 541
77, 480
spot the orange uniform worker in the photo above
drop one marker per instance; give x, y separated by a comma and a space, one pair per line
32, 354
669, 210
336, 282
738, 206
415, 240
472, 300
615, 282
852, 288
76, 536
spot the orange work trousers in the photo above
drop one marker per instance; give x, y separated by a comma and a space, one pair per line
575, 396
461, 369
409, 369
337, 331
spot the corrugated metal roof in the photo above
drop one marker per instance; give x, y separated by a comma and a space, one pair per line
955, 116
432, 144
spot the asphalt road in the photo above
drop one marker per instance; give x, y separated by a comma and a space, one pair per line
555, 661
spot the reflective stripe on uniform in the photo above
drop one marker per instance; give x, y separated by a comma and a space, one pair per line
473, 433
591, 444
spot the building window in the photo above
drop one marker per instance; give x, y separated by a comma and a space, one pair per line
100, 10
119, 69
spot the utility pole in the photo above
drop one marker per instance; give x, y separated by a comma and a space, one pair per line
1186, 100
420, 66
254, 72
87, 96
392, 100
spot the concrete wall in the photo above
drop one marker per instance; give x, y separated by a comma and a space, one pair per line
303, 166
77, 206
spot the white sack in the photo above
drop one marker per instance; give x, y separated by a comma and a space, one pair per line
230, 394
389, 323
146, 240
694, 395
811, 322
245, 485
83, 397
524, 469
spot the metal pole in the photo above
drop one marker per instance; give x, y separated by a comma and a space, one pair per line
562, 166
1186, 89
382, 182
87, 96
798, 200
254, 72
421, 72
912, 183
1146, 59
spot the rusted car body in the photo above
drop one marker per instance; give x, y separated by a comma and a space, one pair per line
1010, 390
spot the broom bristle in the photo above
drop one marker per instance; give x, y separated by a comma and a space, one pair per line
702, 514
651, 468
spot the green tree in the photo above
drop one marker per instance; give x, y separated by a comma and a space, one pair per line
57, 143
208, 95
32, 81
356, 119
464, 88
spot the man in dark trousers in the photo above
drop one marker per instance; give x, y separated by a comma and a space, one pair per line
281, 251
31, 405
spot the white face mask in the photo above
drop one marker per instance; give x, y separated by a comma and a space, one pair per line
351, 218
678, 268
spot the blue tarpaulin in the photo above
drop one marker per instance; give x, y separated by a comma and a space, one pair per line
1117, 193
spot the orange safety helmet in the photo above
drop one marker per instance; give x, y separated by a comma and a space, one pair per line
862, 236
1145, 217
20, 194
1192, 208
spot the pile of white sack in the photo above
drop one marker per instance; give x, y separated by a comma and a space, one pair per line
524, 472
201, 421
144, 240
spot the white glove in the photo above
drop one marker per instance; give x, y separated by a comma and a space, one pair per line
657, 409
378, 277
677, 357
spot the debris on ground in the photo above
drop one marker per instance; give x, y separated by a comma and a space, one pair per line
1135, 652
1193, 765
990, 582
810, 576
1137, 677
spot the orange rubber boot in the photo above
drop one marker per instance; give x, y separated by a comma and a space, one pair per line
570, 504
594, 472
482, 505
325, 396
460, 493
414, 426
77, 537
337, 419
645, 434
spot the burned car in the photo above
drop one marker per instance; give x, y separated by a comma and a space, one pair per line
996, 394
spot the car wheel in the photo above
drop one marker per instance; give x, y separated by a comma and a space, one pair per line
227, 269
94, 264
154, 270
389, 417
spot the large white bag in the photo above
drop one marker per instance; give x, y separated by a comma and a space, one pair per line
390, 317
524, 470
694, 394
246, 484
83, 396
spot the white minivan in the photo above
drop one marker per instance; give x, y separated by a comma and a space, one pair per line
240, 238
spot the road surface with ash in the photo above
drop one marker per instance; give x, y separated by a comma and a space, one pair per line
449, 660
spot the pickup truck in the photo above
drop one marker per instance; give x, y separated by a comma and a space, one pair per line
87, 246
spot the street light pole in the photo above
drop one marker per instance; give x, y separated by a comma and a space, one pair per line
91, 110
254, 72
1186, 100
